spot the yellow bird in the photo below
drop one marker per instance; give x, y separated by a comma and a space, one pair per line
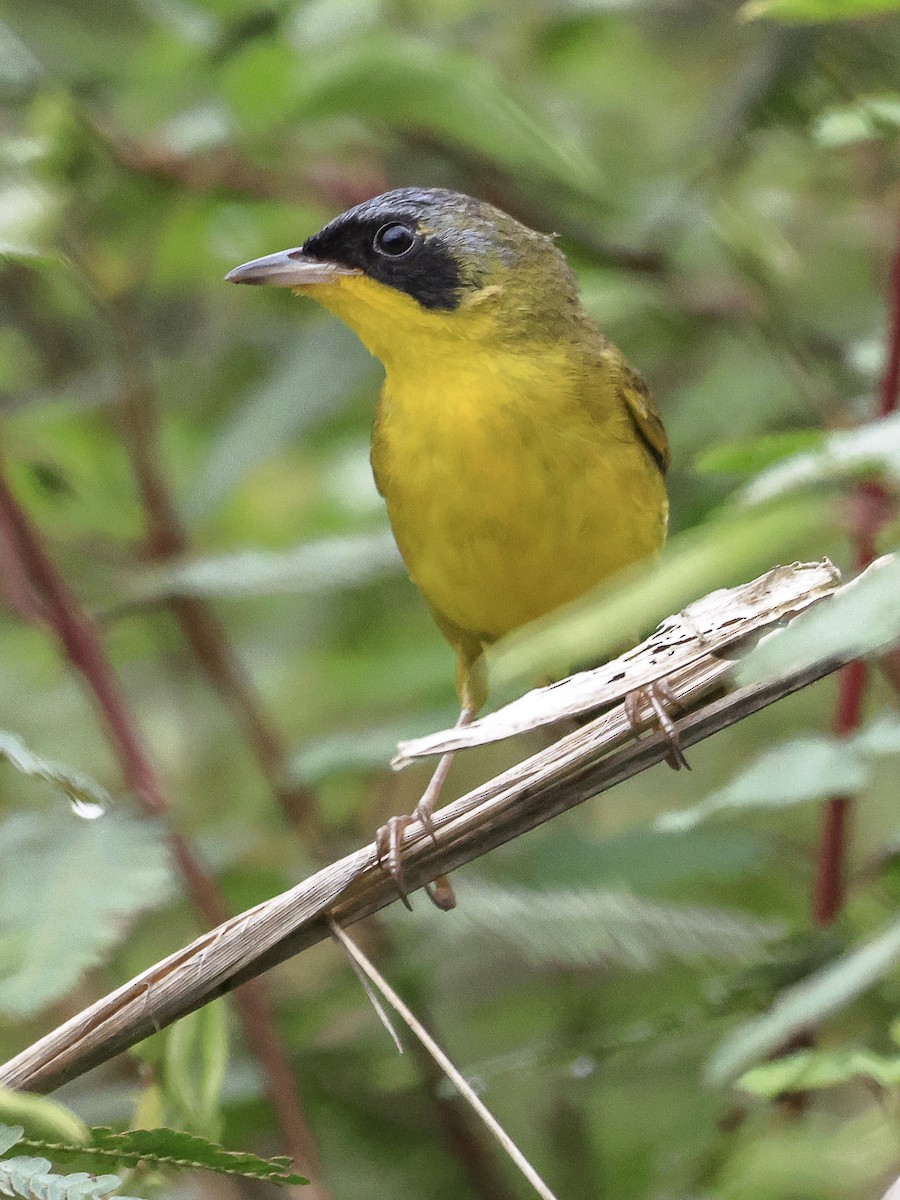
521, 458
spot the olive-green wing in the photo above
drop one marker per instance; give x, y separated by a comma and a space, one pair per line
644, 413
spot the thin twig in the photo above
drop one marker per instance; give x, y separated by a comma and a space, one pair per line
828, 895
504, 808
226, 170
461, 1133
380, 1011
82, 646
456, 1077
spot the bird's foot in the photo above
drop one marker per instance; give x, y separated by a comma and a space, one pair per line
389, 852
389, 841
660, 700
389, 838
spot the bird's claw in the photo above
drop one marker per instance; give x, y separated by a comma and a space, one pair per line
388, 852
389, 856
441, 893
659, 698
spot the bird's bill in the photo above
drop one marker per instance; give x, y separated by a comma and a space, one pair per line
288, 268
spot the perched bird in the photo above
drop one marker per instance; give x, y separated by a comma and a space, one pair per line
521, 458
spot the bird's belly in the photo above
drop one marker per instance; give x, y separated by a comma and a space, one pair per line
497, 528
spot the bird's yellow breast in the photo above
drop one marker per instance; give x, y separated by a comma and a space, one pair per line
509, 492
515, 477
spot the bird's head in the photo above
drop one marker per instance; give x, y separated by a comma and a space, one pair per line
427, 263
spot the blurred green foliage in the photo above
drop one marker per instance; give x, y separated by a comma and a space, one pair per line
727, 190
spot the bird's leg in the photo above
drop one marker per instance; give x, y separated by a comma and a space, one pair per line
389, 838
658, 697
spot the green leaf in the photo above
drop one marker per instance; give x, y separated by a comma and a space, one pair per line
27, 211
816, 10
807, 1004
173, 1148
847, 454
41, 1117
863, 618
801, 770
597, 928
810, 1069
323, 565
200, 128
725, 552
87, 797
258, 84
869, 118
67, 892
638, 858
19, 69
195, 1064
753, 455
880, 736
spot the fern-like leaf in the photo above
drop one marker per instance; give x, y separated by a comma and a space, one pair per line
33, 1178
171, 1149
593, 927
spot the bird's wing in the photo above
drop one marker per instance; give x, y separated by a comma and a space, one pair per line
643, 412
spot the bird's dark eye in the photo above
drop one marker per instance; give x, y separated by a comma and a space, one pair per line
394, 240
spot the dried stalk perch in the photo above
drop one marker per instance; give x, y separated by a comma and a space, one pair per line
687, 650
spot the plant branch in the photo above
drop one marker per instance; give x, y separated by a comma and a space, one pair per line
225, 169
828, 895
580, 766
15, 586
82, 646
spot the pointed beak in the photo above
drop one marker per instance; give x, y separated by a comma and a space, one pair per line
288, 268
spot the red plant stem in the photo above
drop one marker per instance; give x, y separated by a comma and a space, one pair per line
15, 586
828, 895
82, 646
890, 380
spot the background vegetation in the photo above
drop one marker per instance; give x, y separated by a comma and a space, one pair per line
195, 459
